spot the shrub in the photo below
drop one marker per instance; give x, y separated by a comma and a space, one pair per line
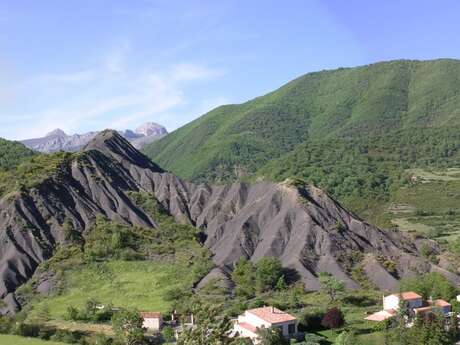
71, 314
311, 321
268, 273
333, 319
26, 329
168, 334
6, 324
66, 336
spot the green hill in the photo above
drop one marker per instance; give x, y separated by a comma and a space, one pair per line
12, 153
351, 131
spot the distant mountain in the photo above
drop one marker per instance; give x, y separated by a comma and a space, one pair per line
58, 140
62, 194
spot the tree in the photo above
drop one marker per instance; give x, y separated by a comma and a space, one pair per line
333, 319
211, 328
127, 325
268, 272
70, 234
244, 278
431, 284
271, 336
453, 328
168, 334
331, 286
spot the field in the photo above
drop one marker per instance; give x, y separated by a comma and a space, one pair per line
130, 284
430, 206
15, 340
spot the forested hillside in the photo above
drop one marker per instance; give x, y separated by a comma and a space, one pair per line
351, 131
12, 153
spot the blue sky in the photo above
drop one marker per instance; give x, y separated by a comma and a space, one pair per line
85, 65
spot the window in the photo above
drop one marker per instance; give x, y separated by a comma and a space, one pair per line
291, 328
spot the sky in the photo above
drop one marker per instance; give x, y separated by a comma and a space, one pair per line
83, 65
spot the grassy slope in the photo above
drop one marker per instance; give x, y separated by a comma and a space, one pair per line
128, 284
344, 102
16, 340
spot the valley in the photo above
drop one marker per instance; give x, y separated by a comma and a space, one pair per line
272, 215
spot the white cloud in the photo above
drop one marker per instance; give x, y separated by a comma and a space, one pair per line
110, 96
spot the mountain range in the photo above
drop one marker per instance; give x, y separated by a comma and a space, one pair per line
58, 140
292, 174
303, 226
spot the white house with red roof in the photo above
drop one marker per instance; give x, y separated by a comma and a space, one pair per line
412, 301
248, 324
152, 321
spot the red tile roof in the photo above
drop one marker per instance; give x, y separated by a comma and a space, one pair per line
248, 327
409, 295
381, 315
272, 315
150, 315
441, 303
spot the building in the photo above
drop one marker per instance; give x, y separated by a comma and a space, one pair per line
152, 321
382, 315
438, 304
267, 317
413, 304
410, 300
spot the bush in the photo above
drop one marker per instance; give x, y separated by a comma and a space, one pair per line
98, 339
71, 314
311, 321
333, 319
26, 329
65, 336
168, 334
430, 284
6, 324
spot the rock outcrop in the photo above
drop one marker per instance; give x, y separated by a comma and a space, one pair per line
300, 224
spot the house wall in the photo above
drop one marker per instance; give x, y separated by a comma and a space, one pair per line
152, 324
243, 332
415, 303
285, 328
391, 302
446, 309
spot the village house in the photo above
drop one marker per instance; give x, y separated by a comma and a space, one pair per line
412, 302
152, 321
248, 324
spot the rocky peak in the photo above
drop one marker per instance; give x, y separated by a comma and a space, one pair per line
150, 128
57, 133
114, 145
